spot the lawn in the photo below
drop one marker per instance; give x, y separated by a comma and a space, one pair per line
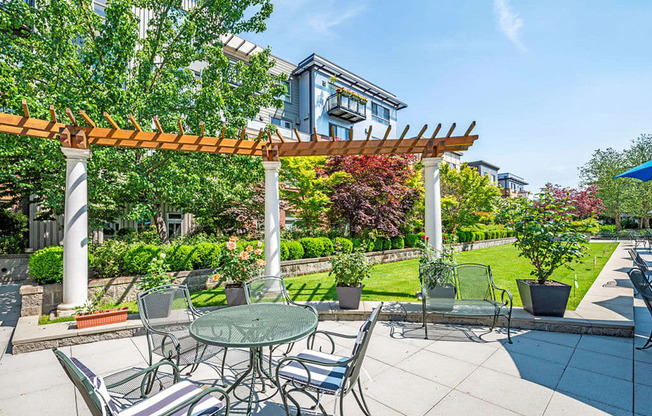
400, 282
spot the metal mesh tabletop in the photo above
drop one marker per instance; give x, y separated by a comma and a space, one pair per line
256, 325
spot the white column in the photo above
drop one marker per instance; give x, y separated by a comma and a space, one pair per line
75, 233
433, 201
272, 219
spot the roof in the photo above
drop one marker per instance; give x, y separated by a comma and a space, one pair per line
356, 81
483, 163
512, 177
237, 45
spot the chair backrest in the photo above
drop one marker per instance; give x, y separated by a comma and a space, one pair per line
638, 260
642, 286
87, 388
266, 289
360, 346
474, 281
167, 309
438, 286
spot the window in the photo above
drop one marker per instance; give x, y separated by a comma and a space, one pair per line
282, 123
174, 224
99, 6
339, 131
287, 97
380, 113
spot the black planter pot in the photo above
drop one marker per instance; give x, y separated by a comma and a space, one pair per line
349, 297
544, 300
235, 295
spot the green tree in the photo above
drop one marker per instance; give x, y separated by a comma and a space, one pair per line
465, 194
614, 193
65, 54
639, 202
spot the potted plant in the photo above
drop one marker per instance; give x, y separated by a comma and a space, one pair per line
547, 236
157, 275
236, 267
91, 313
437, 276
349, 270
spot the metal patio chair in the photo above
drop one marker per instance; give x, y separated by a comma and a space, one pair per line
314, 371
271, 289
642, 286
167, 312
180, 398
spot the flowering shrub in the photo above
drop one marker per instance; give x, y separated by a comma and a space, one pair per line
350, 269
236, 267
157, 273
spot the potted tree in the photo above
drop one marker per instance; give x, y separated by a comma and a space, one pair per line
157, 275
92, 314
349, 270
236, 267
548, 237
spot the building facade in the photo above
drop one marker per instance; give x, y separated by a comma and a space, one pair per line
486, 169
513, 186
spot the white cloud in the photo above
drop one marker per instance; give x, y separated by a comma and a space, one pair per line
323, 23
509, 23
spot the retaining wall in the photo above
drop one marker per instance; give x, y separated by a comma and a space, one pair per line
13, 267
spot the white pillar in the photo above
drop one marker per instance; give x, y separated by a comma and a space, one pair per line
75, 232
433, 201
272, 219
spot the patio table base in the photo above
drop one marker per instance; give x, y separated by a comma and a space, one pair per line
255, 370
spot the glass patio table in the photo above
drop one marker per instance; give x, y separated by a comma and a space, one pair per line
254, 327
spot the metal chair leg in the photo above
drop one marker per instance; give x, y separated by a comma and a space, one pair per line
647, 345
361, 401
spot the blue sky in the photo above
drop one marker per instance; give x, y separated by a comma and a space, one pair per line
547, 81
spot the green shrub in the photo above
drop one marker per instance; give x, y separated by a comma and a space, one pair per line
295, 249
378, 244
327, 243
207, 255
12, 229
411, 240
139, 257
344, 244
109, 258
312, 247
181, 257
356, 243
125, 232
285, 251
387, 244
398, 242
369, 245
46, 265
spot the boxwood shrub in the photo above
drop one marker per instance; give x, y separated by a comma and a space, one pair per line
312, 247
378, 244
295, 250
285, 252
138, 258
327, 243
398, 242
46, 265
411, 240
345, 245
206, 256
369, 245
387, 244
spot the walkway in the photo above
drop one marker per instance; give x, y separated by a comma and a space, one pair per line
9, 313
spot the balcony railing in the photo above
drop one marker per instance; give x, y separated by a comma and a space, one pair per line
346, 108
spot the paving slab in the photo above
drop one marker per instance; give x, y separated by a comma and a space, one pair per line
543, 372
457, 403
598, 387
564, 404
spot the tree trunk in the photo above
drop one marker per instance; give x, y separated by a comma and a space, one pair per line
617, 219
161, 227
646, 222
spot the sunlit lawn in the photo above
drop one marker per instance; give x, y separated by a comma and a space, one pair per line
399, 281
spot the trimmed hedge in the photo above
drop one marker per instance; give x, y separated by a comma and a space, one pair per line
207, 255
345, 245
328, 246
285, 252
139, 257
46, 265
398, 242
312, 247
295, 249
411, 240
378, 244
181, 257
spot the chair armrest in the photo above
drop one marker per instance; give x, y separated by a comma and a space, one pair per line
194, 401
146, 373
329, 335
309, 307
509, 301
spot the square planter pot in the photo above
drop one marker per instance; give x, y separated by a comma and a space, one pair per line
235, 295
102, 318
544, 300
349, 297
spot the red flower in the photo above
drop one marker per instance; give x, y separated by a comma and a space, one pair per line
423, 237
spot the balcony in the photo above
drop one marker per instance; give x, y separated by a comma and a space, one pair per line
346, 108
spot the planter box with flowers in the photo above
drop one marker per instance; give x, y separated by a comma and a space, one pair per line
236, 267
91, 314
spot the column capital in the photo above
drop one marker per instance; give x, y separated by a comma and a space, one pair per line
271, 164
73, 153
432, 161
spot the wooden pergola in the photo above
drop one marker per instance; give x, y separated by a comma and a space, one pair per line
80, 131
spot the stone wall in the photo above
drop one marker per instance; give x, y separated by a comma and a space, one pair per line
13, 267
44, 299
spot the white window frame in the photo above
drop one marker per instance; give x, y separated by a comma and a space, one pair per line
281, 122
174, 221
288, 97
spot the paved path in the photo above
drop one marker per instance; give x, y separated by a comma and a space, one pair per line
9, 313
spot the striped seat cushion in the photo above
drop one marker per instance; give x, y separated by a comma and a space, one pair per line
100, 387
164, 401
321, 377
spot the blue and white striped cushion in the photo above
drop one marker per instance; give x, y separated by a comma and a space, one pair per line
100, 387
165, 400
321, 377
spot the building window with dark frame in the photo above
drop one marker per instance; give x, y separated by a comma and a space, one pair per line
339, 132
281, 123
380, 113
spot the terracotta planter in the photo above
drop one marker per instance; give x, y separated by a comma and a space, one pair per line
349, 297
544, 300
235, 295
109, 316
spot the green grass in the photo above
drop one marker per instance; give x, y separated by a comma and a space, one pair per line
400, 282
